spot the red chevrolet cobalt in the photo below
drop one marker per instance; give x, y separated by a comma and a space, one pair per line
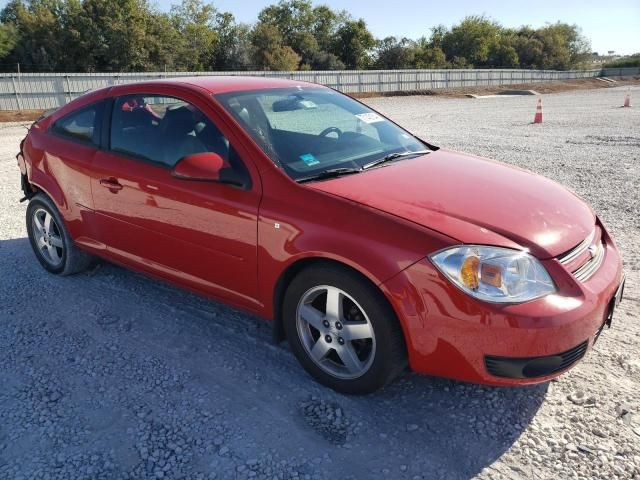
367, 247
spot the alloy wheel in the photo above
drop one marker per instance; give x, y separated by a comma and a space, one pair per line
48, 237
336, 332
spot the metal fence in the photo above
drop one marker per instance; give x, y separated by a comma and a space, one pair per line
620, 72
49, 90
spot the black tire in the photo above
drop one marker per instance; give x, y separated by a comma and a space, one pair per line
72, 259
389, 355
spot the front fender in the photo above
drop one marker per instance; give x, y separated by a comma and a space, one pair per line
301, 223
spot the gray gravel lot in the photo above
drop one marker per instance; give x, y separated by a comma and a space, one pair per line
111, 375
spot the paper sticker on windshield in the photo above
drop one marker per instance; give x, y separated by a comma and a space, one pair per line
309, 159
370, 117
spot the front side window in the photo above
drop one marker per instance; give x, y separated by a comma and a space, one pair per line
310, 130
81, 125
163, 130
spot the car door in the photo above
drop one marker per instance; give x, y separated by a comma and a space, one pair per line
200, 234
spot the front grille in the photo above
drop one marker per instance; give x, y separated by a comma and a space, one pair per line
578, 250
588, 269
585, 258
532, 367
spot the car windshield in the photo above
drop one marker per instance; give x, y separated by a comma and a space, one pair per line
313, 131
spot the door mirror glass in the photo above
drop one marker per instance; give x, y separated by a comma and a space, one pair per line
199, 166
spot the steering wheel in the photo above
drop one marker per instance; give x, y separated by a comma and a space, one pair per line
329, 130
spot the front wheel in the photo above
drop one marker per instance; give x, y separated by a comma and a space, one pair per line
342, 330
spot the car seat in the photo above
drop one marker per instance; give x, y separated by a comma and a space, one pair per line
178, 137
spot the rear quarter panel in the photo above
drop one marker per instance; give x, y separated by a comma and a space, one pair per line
61, 167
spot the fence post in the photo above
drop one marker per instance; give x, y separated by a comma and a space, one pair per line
66, 78
15, 92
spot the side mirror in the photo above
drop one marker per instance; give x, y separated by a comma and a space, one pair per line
204, 167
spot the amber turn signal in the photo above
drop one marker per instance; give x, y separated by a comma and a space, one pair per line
469, 272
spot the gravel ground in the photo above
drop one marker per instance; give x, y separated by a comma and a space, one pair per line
111, 375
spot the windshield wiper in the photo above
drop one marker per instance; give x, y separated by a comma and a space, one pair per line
338, 172
331, 173
393, 156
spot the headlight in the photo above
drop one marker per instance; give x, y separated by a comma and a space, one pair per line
494, 274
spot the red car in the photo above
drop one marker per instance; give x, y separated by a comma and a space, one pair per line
367, 247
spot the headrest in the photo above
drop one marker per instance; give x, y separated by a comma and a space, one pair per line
178, 120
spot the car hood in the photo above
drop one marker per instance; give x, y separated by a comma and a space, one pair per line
473, 200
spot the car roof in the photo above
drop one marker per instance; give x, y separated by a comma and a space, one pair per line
213, 84
232, 83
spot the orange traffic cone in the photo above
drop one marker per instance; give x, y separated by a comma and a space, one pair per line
627, 100
538, 117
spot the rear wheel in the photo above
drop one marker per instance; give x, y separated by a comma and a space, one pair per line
342, 330
50, 239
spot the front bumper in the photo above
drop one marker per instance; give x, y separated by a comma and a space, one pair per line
451, 334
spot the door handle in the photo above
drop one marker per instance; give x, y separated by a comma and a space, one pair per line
111, 183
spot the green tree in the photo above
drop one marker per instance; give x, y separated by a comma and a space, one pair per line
353, 44
116, 31
132, 35
8, 38
630, 61
294, 20
437, 36
325, 25
322, 60
428, 54
269, 52
393, 53
76, 39
564, 46
502, 52
196, 23
233, 48
39, 30
503, 55
164, 44
472, 39
528, 47
283, 59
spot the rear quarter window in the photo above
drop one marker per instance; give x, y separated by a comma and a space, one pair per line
81, 125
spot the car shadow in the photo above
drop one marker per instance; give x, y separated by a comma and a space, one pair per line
461, 428
435, 427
